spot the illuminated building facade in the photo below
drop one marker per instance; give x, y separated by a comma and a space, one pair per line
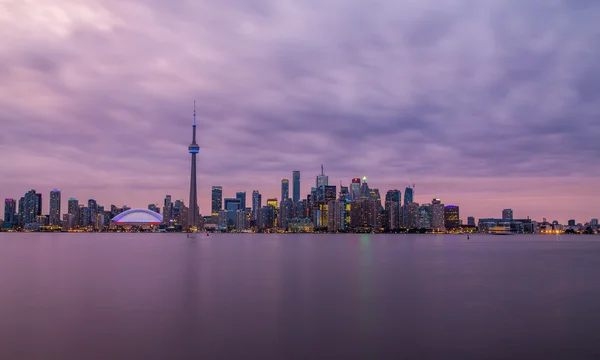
296, 186
54, 207
216, 200
451, 217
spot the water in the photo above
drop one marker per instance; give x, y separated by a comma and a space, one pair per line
164, 296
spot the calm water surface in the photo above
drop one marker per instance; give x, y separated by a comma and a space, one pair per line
164, 296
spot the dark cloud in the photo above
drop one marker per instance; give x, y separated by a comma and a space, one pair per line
96, 96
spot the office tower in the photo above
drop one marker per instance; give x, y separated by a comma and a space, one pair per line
507, 214
267, 217
355, 189
217, 200
286, 213
374, 195
300, 209
167, 210
275, 205
408, 195
21, 215
194, 210
296, 185
32, 207
93, 209
72, 206
256, 204
437, 215
322, 180
232, 205
425, 211
393, 195
411, 215
392, 209
10, 208
154, 207
54, 207
285, 189
471, 221
344, 192
451, 217
365, 192
242, 196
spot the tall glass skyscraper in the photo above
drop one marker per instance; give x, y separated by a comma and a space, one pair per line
408, 195
242, 196
256, 204
55, 207
10, 209
217, 200
285, 189
296, 186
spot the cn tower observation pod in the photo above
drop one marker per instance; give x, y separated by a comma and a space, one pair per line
138, 217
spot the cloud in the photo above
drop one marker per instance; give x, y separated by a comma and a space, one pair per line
96, 96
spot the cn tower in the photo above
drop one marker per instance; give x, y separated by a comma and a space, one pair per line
193, 212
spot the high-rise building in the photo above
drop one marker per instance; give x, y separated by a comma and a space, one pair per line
32, 207
437, 215
594, 222
154, 207
256, 204
55, 207
365, 192
393, 195
571, 222
217, 200
93, 209
451, 217
286, 213
10, 208
507, 214
471, 221
355, 189
408, 195
193, 210
232, 205
392, 209
285, 189
167, 210
322, 180
242, 196
296, 186
21, 215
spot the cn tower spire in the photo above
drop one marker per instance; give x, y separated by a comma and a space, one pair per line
193, 212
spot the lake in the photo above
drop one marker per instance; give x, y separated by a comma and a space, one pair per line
269, 296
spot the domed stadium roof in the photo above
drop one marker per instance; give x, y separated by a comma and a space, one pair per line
138, 216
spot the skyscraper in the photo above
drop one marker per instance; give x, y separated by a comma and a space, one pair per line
507, 214
256, 204
408, 195
32, 207
437, 215
322, 180
451, 217
285, 189
296, 186
55, 207
93, 211
242, 196
355, 188
471, 221
10, 208
193, 211
216, 200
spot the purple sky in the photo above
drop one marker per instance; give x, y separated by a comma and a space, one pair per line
486, 104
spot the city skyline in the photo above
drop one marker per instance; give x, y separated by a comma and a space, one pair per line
486, 105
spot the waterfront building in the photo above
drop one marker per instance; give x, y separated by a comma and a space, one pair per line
216, 200
286, 213
285, 189
93, 211
507, 214
21, 214
437, 215
241, 220
471, 221
232, 205
296, 186
355, 188
425, 216
32, 207
408, 195
54, 213
167, 210
411, 215
242, 196
10, 216
256, 204
300, 210
267, 217
322, 180
451, 217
